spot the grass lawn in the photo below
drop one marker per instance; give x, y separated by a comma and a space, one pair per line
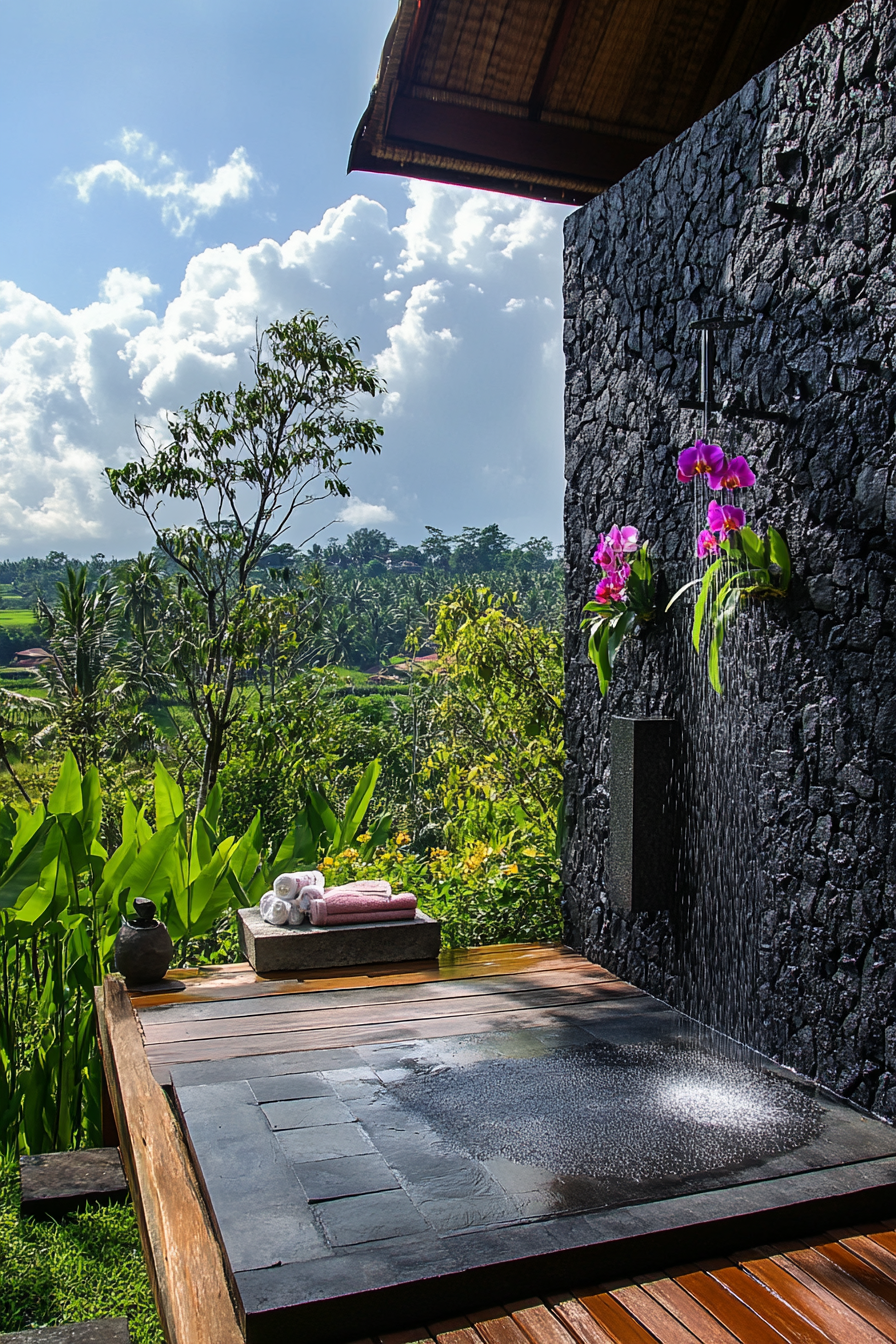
85, 1265
21, 616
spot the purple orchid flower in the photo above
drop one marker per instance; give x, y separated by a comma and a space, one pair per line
700, 460
724, 518
733, 475
707, 544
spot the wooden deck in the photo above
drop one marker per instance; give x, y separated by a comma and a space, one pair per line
839, 1287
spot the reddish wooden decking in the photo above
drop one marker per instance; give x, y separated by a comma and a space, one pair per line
839, 1288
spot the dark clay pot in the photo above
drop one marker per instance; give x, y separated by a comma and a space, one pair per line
143, 946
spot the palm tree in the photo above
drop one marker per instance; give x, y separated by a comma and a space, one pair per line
94, 674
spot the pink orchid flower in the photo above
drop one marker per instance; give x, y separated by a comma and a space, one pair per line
700, 460
733, 475
624, 540
612, 586
707, 544
604, 556
724, 518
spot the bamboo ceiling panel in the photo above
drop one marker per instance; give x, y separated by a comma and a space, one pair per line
559, 99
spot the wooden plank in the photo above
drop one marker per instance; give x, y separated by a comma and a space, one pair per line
238, 1047
882, 1285
730, 1311
250, 985
775, 1312
679, 1303
182, 1253
653, 1315
578, 1321
457, 1330
345, 1017
813, 1267
538, 1323
614, 1319
824, 1309
873, 1254
422, 992
495, 1326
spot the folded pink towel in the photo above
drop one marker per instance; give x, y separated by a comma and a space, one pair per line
373, 886
370, 917
344, 907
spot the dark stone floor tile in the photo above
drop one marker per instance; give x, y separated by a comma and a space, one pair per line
320, 1143
363, 1218
422, 1163
290, 1087
495, 1246
460, 1214
341, 1176
263, 1066
306, 1112
355, 1084
261, 1226
353, 1270
257, 1202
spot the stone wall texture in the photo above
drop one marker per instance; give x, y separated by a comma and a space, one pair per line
782, 930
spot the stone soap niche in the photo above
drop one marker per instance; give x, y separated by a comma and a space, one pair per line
640, 856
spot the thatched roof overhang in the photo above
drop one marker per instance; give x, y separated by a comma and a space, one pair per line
559, 99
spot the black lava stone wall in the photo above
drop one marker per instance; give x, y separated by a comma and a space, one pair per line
782, 930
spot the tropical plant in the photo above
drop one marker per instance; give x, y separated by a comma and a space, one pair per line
494, 751
62, 900
247, 460
624, 599
743, 566
92, 685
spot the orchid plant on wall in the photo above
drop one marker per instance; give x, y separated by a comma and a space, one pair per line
741, 564
624, 598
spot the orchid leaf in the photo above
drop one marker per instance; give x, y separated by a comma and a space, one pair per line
693, 584
723, 609
602, 661
780, 556
753, 547
700, 608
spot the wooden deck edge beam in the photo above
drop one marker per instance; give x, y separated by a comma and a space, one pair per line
185, 1263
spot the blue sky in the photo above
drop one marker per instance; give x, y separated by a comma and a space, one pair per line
173, 171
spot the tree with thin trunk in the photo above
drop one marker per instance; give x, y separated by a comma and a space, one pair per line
248, 460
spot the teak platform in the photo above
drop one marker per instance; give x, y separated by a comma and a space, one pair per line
215, 1032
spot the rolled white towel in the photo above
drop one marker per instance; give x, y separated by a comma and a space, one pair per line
307, 895
296, 915
288, 885
273, 909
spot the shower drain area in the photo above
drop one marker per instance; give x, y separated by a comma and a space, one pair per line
424, 1167
613, 1123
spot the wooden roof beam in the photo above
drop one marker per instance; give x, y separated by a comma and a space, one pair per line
553, 55
490, 137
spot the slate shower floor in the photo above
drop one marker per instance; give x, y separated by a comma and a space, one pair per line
335, 1174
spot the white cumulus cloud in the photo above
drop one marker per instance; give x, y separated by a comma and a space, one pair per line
182, 200
359, 514
473, 413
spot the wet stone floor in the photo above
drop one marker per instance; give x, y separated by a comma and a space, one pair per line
373, 1159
